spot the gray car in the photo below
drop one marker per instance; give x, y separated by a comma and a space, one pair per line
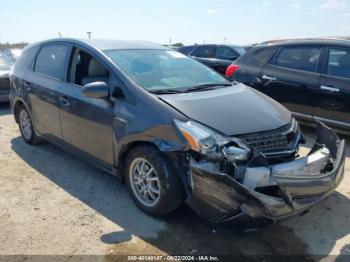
173, 130
5, 66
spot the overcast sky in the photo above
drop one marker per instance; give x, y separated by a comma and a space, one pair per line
187, 21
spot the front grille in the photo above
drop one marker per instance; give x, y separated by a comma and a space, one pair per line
281, 140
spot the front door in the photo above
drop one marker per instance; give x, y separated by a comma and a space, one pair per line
86, 123
333, 96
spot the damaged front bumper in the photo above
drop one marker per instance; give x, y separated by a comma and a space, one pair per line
267, 194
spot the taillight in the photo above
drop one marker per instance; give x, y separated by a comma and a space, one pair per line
231, 69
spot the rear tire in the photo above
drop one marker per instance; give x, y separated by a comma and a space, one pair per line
153, 185
26, 127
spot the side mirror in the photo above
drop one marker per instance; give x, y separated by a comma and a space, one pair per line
98, 90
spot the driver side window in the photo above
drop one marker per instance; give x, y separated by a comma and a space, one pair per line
85, 69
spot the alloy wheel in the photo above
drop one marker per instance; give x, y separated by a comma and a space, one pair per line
144, 182
25, 124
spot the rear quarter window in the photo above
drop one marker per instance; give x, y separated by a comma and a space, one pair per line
27, 58
259, 57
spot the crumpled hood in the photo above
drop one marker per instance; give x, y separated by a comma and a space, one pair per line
232, 111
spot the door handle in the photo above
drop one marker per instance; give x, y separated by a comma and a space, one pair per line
330, 88
64, 101
269, 78
27, 86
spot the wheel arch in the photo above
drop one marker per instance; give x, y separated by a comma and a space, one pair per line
18, 104
177, 158
124, 152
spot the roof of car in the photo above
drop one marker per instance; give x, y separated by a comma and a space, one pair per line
309, 41
211, 45
110, 44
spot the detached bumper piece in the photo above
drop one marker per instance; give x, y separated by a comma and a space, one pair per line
267, 194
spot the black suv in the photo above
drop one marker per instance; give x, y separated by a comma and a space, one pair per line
310, 77
218, 57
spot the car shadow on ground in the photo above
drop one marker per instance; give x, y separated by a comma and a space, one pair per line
182, 232
5, 108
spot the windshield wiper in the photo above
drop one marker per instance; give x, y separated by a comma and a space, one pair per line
165, 91
206, 86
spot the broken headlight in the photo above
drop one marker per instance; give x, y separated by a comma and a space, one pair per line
211, 144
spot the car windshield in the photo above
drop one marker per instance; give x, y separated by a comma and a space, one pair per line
5, 61
160, 70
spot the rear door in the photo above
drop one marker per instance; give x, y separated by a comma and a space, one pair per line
225, 56
206, 55
333, 96
43, 85
251, 64
292, 77
86, 123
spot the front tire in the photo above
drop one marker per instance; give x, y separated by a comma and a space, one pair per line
26, 127
153, 185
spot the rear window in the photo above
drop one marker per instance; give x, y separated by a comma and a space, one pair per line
51, 61
339, 62
299, 58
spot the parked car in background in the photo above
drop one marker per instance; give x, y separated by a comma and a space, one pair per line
140, 111
218, 57
246, 47
310, 77
15, 53
5, 66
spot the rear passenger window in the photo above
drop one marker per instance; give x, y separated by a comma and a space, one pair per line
205, 52
339, 62
299, 58
51, 61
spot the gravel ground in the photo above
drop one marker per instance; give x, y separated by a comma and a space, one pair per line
54, 204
